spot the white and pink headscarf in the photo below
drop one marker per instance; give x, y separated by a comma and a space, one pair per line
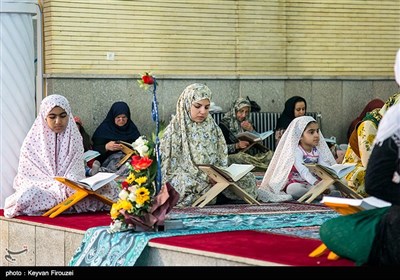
44, 155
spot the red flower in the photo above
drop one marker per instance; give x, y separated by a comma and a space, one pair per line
140, 163
125, 185
147, 79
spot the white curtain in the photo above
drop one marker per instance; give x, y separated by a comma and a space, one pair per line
17, 85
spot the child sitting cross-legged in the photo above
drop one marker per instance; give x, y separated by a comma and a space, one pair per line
287, 177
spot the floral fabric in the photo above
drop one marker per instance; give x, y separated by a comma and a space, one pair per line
44, 155
366, 133
373, 104
185, 144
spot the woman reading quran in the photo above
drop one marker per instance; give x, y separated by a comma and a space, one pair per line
53, 147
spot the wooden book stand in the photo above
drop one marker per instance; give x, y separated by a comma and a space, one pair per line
221, 184
326, 181
128, 153
80, 194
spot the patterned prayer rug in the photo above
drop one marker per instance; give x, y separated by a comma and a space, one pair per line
304, 232
239, 209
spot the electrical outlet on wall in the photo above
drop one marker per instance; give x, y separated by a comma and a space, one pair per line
110, 56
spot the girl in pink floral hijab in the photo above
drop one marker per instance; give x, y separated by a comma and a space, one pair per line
52, 147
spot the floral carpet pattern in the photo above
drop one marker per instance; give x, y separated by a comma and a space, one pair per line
305, 232
240, 209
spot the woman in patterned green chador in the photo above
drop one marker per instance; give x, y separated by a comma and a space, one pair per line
191, 138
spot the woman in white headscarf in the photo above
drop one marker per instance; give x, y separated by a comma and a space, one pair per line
52, 147
191, 138
286, 167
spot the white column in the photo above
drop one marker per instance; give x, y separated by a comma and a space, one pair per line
17, 85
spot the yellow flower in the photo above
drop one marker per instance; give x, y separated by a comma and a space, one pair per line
141, 180
125, 204
114, 211
142, 196
131, 178
121, 204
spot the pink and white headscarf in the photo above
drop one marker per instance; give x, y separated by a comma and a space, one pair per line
44, 155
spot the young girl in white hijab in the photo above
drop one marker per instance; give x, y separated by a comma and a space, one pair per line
287, 178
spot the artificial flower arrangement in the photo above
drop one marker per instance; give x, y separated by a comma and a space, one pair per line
143, 203
138, 188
